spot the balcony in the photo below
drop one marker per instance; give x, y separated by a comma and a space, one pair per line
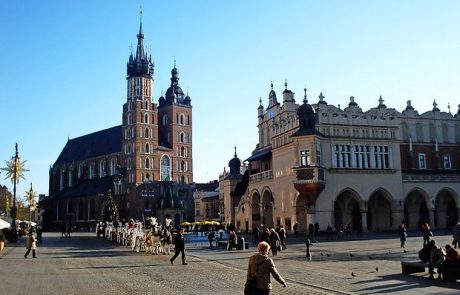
265, 175
309, 174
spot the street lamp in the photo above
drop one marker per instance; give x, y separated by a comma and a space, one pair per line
30, 195
14, 170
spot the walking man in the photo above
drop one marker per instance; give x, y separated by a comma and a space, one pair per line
179, 243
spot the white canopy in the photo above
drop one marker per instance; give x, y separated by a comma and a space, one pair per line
4, 224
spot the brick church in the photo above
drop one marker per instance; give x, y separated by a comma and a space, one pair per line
145, 164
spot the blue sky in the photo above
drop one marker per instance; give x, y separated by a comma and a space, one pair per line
64, 66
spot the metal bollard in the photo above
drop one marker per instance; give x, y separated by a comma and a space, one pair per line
308, 244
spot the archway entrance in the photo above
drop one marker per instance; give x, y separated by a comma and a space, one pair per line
379, 211
255, 209
347, 210
445, 209
415, 210
267, 205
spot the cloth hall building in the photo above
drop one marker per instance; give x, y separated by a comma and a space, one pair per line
145, 163
370, 169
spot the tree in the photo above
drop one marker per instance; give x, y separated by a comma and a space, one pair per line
110, 209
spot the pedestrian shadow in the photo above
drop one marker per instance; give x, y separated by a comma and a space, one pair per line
404, 283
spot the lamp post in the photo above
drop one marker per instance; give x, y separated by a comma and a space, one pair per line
14, 170
30, 195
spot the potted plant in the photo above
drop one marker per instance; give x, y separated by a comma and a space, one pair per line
2, 240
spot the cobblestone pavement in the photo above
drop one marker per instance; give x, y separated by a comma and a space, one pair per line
85, 264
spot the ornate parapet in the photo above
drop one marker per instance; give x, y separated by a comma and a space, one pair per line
265, 175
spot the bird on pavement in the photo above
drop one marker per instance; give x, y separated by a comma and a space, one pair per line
353, 274
322, 254
389, 251
376, 269
351, 255
371, 258
328, 255
405, 251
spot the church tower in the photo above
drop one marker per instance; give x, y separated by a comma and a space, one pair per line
140, 127
175, 120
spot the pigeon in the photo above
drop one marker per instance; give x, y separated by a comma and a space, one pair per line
376, 269
405, 251
389, 251
328, 255
322, 254
353, 274
371, 258
351, 255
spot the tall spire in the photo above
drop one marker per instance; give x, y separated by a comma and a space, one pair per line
140, 40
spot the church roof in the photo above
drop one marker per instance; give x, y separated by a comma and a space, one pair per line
103, 142
89, 187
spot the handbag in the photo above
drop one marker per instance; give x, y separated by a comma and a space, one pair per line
251, 284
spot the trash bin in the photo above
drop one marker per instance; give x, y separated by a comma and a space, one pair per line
241, 244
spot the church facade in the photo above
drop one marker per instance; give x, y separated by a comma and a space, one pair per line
145, 163
369, 169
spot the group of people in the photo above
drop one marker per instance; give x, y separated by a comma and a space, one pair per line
443, 259
275, 237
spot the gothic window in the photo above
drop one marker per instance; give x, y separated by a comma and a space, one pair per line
147, 163
146, 133
91, 171
129, 164
80, 171
421, 161
146, 118
102, 168
165, 119
70, 178
182, 137
138, 86
113, 166
146, 104
182, 166
165, 168
182, 152
147, 148
129, 119
447, 162
181, 119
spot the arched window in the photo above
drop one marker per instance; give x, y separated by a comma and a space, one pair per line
113, 166
182, 152
181, 119
129, 164
147, 163
182, 166
146, 133
129, 119
146, 104
182, 137
165, 119
102, 168
146, 118
165, 168
147, 148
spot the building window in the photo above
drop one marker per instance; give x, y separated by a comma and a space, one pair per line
447, 162
182, 151
304, 158
146, 104
70, 178
147, 148
381, 157
165, 168
147, 163
421, 161
165, 120
362, 156
146, 118
146, 133
101, 168
342, 156
182, 166
113, 166
129, 164
318, 154
138, 86
181, 119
